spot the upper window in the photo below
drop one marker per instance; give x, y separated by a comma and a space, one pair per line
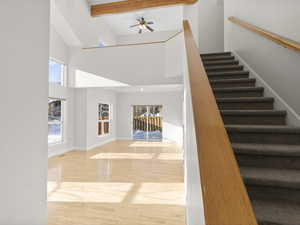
55, 121
101, 44
104, 119
56, 72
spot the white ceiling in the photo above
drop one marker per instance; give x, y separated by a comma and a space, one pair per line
87, 31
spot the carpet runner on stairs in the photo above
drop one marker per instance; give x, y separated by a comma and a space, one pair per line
266, 148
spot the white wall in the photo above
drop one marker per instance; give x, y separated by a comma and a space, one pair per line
133, 65
86, 118
174, 56
172, 103
277, 66
80, 122
59, 51
23, 117
211, 26
191, 13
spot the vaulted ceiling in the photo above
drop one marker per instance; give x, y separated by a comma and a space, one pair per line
74, 22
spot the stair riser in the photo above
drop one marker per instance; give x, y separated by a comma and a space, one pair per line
273, 193
232, 84
223, 69
245, 105
264, 138
253, 120
224, 77
262, 161
220, 94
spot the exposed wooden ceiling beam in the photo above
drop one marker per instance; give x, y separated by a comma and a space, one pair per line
131, 5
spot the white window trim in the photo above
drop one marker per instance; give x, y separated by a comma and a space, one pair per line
65, 70
103, 121
63, 111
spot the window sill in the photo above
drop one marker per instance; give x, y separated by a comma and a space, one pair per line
103, 135
55, 144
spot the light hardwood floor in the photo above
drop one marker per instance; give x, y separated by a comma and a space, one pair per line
121, 183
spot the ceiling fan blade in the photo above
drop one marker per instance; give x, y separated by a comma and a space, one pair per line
140, 31
135, 25
149, 28
150, 22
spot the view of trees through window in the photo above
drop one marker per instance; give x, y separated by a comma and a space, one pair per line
55, 121
104, 119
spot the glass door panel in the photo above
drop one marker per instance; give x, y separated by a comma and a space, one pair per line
140, 122
147, 122
155, 122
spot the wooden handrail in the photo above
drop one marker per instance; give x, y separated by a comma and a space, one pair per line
134, 44
225, 198
287, 43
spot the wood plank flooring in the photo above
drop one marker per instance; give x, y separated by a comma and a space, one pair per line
121, 183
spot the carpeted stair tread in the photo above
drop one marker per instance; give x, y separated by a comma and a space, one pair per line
253, 116
246, 99
271, 177
254, 112
271, 212
224, 68
239, 74
263, 129
220, 62
238, 89
267, 149
215, 54
217, 57
234, 80
227, 73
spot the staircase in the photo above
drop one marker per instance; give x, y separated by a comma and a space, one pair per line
267, 150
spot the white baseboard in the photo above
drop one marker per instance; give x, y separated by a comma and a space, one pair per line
53, 153
125, 138
293, 118
100, 144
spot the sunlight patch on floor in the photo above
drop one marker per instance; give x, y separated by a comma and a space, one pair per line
151, 144
121, 183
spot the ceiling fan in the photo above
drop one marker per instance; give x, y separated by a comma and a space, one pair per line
143, 25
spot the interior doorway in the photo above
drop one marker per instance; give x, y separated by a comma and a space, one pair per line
147, 122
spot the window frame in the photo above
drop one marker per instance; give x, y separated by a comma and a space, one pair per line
62, 122
104, 121
64, 72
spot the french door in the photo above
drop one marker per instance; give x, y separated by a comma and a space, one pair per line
147, 122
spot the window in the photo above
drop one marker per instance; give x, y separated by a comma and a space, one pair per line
56, 73
101, 44
104, 119
55, 120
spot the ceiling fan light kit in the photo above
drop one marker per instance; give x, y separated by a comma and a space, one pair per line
143, 25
